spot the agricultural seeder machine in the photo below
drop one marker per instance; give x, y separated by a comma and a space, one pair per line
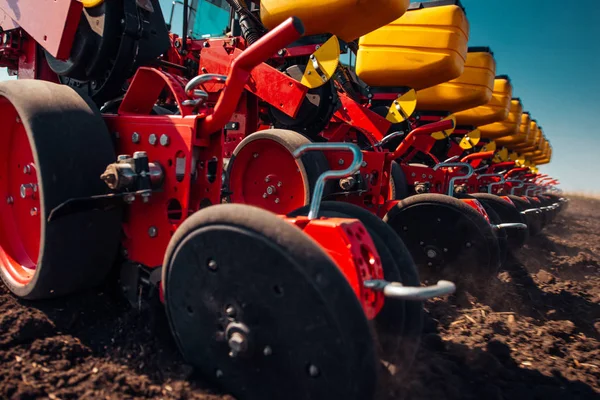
290, 210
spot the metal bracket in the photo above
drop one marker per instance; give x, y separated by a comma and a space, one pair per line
331, 174
491, 185
397, 290
469, 174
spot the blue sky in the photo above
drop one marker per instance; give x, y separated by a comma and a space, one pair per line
551, 51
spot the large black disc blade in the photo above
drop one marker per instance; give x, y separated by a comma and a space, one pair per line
298, 330
447, 239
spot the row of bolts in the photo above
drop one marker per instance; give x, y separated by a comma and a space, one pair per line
26, 190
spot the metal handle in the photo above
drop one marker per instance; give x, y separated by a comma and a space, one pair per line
453, 158
510, 225
389, 137
469, 174
491, 185
397, 290
512, 189
204, 78
315, 204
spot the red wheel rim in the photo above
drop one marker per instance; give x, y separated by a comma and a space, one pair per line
20, 208
265, 174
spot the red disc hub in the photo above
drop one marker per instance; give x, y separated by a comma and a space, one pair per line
265, 174
20, 208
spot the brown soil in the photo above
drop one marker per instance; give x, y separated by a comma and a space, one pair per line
535, 333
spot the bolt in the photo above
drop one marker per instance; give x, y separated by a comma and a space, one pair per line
424, 176
364, 164
413, 174
421, 243
230, 311
265, 195
341, 161
430, 176
164, 140
135, 137
145, 197
271, 189
313, 371
405, 228
34, 211
152, 231
130, 198
267, 179
27, 169
10, 200
255, 155
445, 250
430, 264
431, 253
237, 343
205, 44
152, 139
468, 244
219, 373
277, 200
212, 265
281, 52
279, 184
268, 351
439, 220
27, 190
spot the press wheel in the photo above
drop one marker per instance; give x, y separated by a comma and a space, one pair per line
399, 324
238, 270
263, 172
447, 238
508, 213
53, 147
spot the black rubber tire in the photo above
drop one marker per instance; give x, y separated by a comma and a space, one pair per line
71, 147
398, 182
303, 254
533, 220
463, 273
398, 266
508, 214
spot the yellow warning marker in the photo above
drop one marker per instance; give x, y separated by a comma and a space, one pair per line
491, 146
403, 107
500, 156
445, 134
513, 156
322, 64
470, 140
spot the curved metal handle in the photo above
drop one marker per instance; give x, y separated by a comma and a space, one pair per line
331, 174
397, 290
469, 174
512, 189
204, 78
389, 137
491, 185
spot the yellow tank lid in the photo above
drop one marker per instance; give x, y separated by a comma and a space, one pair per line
348, 19
495, 110
472, 89
425, 47
509, 126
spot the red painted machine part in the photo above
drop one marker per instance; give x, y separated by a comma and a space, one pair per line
476, 205
51, 23
20, 207
353, 250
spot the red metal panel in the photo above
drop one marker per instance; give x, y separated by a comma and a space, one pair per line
52, 23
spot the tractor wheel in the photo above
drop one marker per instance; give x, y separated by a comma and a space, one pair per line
400, 323
54, 147
263, 172
533, 219
447, 239
508, 214
259, 308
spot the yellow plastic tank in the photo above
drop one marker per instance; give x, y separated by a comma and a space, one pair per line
495, 110
347, 19
509, 126
534, 137
425, 47
519, 137
472, 89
